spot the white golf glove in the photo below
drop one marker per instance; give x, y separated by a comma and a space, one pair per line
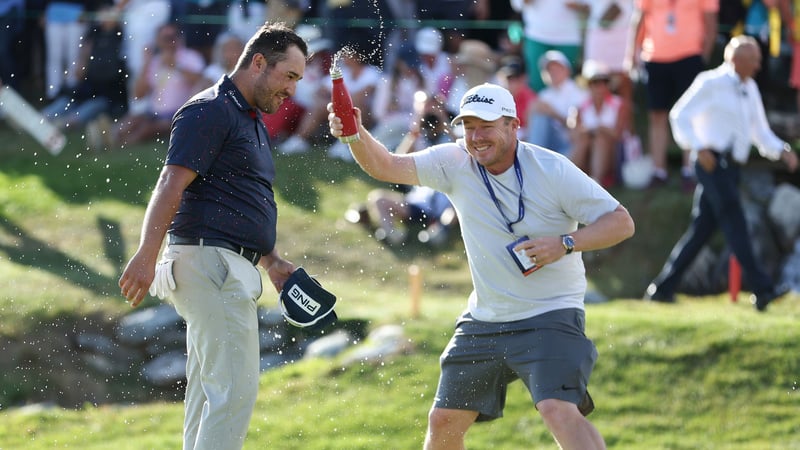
164, 282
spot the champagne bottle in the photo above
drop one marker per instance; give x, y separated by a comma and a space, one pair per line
343, 107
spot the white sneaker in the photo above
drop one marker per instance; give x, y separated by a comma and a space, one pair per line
94, 137
99, 133
392, 236
294, 145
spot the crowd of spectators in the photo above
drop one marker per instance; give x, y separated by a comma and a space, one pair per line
120, 68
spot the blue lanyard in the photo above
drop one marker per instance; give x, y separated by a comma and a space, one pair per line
521, 213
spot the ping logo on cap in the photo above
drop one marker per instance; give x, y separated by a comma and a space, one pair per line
303, 300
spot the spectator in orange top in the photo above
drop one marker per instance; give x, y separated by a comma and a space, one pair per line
674, 39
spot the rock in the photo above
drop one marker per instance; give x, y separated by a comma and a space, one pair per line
382, 343
329, 346
142, 326
783, 211
105, 355
165, 370
167, 340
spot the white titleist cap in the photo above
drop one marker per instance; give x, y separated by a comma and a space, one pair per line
488, 102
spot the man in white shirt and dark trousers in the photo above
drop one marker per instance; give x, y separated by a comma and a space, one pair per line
717, 119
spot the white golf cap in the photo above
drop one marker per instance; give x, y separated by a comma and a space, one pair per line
428, 41
554, 56
488, 102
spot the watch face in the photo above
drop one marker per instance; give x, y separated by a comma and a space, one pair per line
569, 243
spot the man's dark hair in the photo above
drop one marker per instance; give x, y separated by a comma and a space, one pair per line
272, 40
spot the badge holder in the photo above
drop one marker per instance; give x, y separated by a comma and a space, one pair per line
526, 266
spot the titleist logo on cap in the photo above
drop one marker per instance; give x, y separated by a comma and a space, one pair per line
477, 98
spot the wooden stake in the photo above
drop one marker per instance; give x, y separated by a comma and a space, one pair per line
415, 289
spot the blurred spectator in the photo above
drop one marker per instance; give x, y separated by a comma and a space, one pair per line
102, 74
401, 33
311, 94
607, 31
550, 25
201, 21
393, 213
11, 22
286, 11
361, 79
393, 103
730, 18
362, 26
435, 65
169, 77
499, 12
141, 20
63, 32
549, 113
790, 15
598, 125
29, 50
758, 24
246, 16
512, 76
675, 41
475, 64
224, 57
455, 12
719, 119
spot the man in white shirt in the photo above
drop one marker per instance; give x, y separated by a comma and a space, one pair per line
717, 119
518, 206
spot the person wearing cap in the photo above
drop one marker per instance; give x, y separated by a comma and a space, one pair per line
598, 125
717, 120
519, 206
548, 115
434, 62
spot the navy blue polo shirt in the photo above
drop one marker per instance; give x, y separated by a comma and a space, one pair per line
218, 135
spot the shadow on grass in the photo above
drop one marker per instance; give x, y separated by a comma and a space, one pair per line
79, 175
33, 252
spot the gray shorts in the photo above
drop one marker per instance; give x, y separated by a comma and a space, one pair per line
550, 353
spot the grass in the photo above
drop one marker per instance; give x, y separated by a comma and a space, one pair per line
705, 373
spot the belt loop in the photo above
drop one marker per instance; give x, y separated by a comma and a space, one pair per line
201, 242
241, 251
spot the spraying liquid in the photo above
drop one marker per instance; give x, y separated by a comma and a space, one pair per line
343, 104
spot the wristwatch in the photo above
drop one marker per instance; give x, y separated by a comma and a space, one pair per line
568, 242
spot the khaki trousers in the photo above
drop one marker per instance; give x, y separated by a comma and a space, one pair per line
216, 293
